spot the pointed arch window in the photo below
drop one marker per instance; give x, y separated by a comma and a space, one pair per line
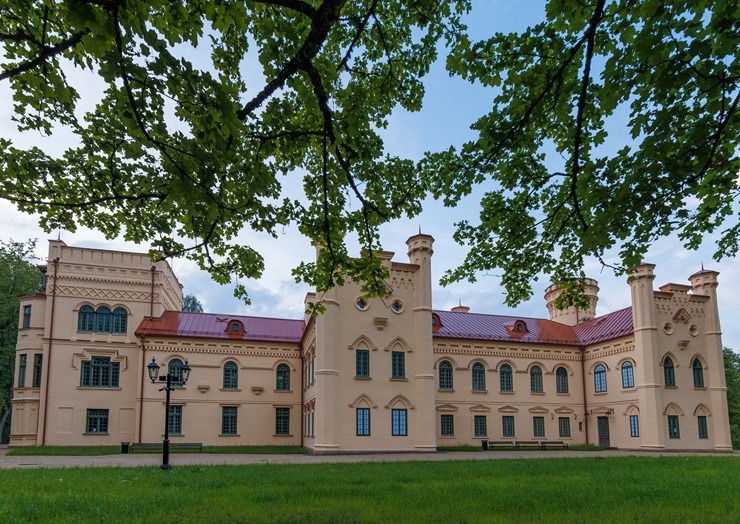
282, 378
479, 377
119, 320
600, 378
174, 369
103, 319
86, 319
561, 380
698, 371
669, 373
535, 379
507, 378
445, 375
628, 375
231, 375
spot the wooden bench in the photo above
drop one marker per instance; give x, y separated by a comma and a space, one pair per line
553, 444
493, 444
527, 444
173, 445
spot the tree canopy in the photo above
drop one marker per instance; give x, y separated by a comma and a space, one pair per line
732, 376
209, 105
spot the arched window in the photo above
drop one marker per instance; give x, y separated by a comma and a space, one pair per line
628, 376
698, 370
479, 377
535, 379
561, 380
231, 375
445, 375
507, 379
600, 378
282, 378
120, 318
669, 372
174, 369
86, 319
102, 319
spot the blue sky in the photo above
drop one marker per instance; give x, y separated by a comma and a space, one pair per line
450, 106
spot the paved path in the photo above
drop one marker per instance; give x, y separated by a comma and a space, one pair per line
187, 459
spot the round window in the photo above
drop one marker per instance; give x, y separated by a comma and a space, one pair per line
397, 306
362, 304
235, 326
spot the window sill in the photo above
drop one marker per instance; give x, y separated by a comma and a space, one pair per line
399, 379
229, 435
702, 388
629, 390
99, 388
480, 436
479, 391
283, 436
176, 435
671, 387
282, 391
230, 389
362, 378
537, 392
97, 433
450, 390
506, 392
447, 436
600, 393
562, 394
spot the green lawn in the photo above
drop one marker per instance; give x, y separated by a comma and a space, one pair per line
624, 489
78, 451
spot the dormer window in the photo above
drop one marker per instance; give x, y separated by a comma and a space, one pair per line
235, 327
520, 326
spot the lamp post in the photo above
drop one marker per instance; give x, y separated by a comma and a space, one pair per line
181, 379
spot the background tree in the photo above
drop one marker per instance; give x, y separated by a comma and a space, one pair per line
732, 375
190, 303
18, 277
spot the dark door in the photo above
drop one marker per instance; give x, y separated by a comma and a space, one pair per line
603, 423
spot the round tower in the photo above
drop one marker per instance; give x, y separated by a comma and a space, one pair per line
572, 315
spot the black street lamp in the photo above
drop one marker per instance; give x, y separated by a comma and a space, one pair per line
181, 378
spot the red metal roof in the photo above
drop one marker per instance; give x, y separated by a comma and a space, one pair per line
607, 327
210, 325
500, 327
477, 326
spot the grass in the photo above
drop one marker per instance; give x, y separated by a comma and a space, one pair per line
115, 450
614, 489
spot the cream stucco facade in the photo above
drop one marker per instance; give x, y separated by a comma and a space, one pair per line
370, 374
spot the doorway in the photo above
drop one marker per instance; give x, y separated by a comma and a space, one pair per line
603, 425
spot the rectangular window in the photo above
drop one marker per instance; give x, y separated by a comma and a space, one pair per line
673, 431
26, 316
363, 422
634, 426
507, 423
174, 422
703, 433
362, 368
538, 426
564, 426
37, 359
479, 426
97, 421
282, 421
99, 372
447, 426
228, 420
22, 371
398, 423
398, 364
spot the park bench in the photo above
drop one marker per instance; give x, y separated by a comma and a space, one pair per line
553, 444
527, 444
493, 444
194, 446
